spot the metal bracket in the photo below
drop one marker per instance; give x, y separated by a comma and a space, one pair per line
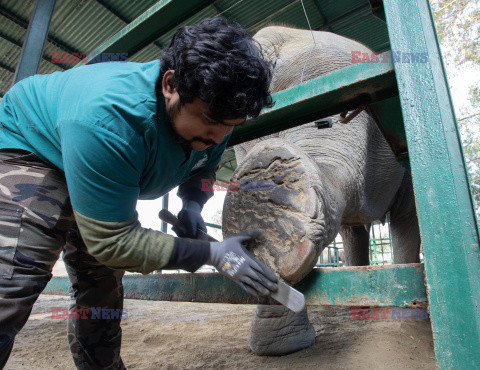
348, 117
324, 123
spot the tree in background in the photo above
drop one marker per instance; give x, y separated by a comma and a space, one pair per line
458, 28
469, 130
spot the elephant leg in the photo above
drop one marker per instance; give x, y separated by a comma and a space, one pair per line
356, 244
404, 225
277, 331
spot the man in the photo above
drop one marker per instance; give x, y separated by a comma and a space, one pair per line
78, 148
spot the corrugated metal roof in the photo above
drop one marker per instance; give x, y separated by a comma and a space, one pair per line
83, 25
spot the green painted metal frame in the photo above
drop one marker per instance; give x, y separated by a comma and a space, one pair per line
445, 206
156, 21
400, 285
388, 115
341, 90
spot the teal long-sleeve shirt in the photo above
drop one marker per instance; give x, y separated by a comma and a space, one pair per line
103, 126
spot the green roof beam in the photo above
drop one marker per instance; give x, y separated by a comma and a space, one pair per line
156, 21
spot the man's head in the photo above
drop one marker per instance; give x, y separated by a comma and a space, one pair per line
213, 78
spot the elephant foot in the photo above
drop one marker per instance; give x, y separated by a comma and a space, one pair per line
277, 194
277, 331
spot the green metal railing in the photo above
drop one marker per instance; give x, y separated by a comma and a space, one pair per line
380, 245
380, 248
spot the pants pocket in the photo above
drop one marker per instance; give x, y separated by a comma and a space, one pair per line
10, 223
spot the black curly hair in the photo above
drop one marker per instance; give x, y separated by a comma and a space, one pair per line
219, 63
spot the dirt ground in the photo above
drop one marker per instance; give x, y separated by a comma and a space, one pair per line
181, 335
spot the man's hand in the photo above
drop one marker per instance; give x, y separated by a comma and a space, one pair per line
233, 260
191, 219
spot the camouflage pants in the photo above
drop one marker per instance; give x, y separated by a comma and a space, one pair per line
36, 224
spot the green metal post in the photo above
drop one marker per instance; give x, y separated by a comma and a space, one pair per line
445, 207
37, 33
164, 206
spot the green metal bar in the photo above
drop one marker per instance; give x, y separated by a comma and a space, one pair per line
388, 113
156, 21
371, 247
445, 207
37, 33
164, 206
394, 285
397, 285
339, 91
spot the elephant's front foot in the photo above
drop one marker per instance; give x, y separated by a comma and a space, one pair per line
277, 331
277, 193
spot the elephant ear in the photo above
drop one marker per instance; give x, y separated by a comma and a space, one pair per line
279, 192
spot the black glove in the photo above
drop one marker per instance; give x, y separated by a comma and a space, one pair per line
233, 260
191, 219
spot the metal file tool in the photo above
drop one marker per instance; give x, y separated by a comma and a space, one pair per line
286, 295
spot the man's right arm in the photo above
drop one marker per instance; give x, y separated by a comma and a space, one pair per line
126, 245
116, 244
103, 172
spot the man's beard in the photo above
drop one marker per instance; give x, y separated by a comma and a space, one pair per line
170, 113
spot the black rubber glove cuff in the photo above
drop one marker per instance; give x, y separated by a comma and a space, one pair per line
188, 254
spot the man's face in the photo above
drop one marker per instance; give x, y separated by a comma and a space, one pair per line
193, 122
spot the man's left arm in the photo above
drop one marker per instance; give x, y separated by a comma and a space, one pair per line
198, 188
195, 194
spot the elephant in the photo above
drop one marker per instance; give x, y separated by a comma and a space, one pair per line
321, 182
